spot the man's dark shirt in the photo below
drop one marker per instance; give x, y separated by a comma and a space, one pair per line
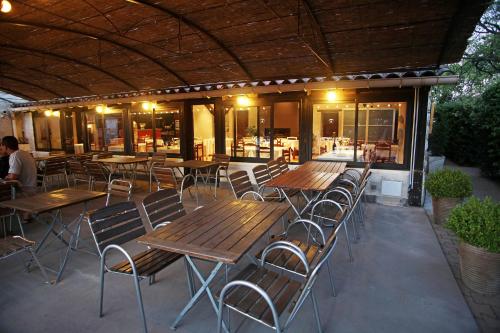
4, 166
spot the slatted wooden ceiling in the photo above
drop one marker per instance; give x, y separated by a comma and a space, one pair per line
59, 48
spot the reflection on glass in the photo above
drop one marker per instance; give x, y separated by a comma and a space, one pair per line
204, 132
105, 129
168, 128
229, 130
142, 127
286, 130
382, 132
334, 131
47, 130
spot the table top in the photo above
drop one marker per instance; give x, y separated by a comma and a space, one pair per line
47, 201
304, 179
222, 231
332, 167
191, 164
123, 160
45, 158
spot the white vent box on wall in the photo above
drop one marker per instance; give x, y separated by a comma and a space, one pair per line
391, 188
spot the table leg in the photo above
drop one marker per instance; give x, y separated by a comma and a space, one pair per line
203, 289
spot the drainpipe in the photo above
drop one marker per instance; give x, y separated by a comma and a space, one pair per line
414, 135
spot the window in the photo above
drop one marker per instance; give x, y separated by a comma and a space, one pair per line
47, 129
105, 129
266, 130
382, 130
204, 131
168, 128
334, 131
142, 127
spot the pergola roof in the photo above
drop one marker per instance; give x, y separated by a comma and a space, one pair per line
64, 48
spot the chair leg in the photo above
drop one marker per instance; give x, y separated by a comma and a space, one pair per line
316, 312
139, 300
20, 224
331, 278
348, 242
101, 289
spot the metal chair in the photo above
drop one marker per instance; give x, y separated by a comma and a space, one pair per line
166, 178
273, 168
79, 173
156, 159
264, 295
8, 192
54, 167
163, 207
12, 245
144, 166
241, 185
104, 154
98, 173
223, 167
283, 164
120, 188
262, 176
115, 225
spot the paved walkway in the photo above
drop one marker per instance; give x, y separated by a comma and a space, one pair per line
486, 309
399, 282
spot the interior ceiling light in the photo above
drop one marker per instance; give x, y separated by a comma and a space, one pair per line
331, 96
99, 109
243, 100
6, 6
56, 114
47, 113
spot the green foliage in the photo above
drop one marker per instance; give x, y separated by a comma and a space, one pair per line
478, 223
467, 131
449, 183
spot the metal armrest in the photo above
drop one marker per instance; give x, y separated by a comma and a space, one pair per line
311, 224
160, 225
359, 173
342, 191
322, 201
255, 194
256, 288
347, 181
287, 246
123, 251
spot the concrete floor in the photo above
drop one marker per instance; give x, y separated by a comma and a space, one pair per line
398, 282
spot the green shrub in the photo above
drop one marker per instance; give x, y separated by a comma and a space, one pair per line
449, 183
478, 223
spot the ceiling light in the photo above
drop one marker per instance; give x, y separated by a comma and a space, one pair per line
331, 96
243, 100
99, 109
56, 114
6, 6
47, 113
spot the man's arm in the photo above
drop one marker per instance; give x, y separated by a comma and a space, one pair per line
14, 168
11, 176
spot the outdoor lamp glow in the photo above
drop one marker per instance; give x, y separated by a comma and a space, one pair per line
56, 114
243, 100
331, 96
6, 6
47, 113
99, 109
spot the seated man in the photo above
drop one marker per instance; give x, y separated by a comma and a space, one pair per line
22, 166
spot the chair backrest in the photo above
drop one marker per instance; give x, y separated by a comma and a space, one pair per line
116, 224
164, 177
55, 166
240, 183
158, 158
273, 168
83, 157
198, 151
77, 169
104, 154
223, 160
282, 162
97, 171
163, 206
119, 188
261, 174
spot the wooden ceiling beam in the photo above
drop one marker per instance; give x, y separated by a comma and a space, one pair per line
69, 59
15, 22
16, 93
15, 79
195, 26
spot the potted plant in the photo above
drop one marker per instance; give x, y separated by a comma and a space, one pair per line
448, 188
477, 224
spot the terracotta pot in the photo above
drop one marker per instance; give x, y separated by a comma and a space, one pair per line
480, 269
441, 208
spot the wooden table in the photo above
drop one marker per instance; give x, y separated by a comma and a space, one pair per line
132, 162
53, 202
332, 167
306, 181
222, 231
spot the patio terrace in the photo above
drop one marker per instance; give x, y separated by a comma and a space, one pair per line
399, 282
